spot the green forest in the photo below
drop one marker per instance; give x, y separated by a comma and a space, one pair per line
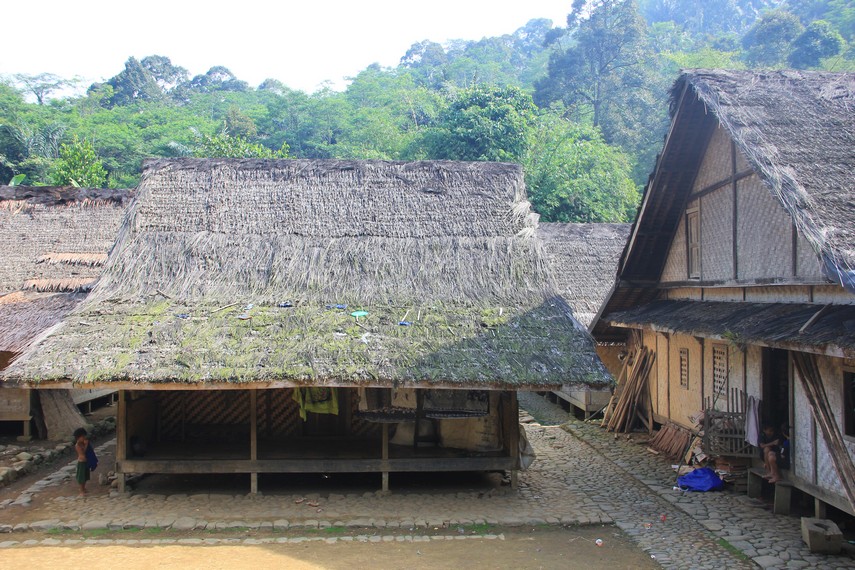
583, 105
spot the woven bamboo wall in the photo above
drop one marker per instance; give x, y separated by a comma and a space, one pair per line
804, 432
685, 402
742, 163
717, 235
689, 293
808, 265
723, 294
609, 355
716, 165
764, 232
653, 379
208, 413
29, 231
675, 266
778, 294
661, 405
836, 294
754, 370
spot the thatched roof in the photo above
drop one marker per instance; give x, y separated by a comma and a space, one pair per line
795, 326
56, 238
583, 259
796, 129
24, 315
247, 271
55, 241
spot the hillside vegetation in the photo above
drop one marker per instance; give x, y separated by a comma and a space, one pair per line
582, 105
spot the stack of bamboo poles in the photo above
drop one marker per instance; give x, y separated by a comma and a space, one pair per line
631, 400
672, 440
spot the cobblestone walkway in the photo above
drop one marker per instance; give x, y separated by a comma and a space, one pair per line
698, 526
582, 476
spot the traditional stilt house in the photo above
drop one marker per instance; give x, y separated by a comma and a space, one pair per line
287, 316
739, 273
583, 259
55, 241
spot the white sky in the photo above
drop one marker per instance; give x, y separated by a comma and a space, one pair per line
301, 43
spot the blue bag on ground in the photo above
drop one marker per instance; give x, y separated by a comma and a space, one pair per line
703, 479
91, 458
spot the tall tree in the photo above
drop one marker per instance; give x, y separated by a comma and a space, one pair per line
769, 41
590, 74
819, 40
483, 123
42, 84
166, 75
134, 83
572, 175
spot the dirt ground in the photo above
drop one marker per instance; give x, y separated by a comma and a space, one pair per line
542, 547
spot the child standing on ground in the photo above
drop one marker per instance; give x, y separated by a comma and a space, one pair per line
81, 443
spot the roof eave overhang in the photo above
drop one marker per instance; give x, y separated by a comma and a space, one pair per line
825, 350
68, 384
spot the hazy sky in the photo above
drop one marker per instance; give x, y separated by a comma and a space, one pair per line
300, 43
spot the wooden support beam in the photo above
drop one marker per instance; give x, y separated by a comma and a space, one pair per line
253, 438
121, 439
385, 456
514, 447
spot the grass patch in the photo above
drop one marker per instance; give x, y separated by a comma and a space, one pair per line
481, 528
95, 532
732, 549
335, 530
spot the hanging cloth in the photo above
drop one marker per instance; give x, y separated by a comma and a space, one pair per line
752, 421
317, 400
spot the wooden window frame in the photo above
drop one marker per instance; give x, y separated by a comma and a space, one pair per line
693, 246
684, 368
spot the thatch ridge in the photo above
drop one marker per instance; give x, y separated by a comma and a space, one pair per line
583, 259
441, 255
797, 129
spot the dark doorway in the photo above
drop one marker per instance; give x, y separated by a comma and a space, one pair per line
775, 409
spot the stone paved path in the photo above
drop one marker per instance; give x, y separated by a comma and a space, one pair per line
582, 476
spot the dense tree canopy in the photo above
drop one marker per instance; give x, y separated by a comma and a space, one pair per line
582, 106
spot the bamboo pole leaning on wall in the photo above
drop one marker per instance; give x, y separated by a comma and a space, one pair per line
630, 405
811, 379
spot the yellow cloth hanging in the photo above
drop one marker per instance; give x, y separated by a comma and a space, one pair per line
317, 400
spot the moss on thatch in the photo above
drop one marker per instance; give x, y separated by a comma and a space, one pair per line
211, 248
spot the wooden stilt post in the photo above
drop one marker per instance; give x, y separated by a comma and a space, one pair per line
385, 456
121, 439
253, 438
514, 447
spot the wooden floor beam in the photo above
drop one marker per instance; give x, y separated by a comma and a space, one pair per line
224, 466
